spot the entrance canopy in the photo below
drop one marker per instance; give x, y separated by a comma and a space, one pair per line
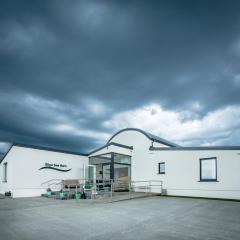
112, 165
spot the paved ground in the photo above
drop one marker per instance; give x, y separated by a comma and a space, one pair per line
164, 218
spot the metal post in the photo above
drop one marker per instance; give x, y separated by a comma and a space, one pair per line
84, 173
129, 189
149, 190
112, 167
111, 189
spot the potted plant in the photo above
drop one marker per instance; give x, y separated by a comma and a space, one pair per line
49, 192
62, 194
8, 194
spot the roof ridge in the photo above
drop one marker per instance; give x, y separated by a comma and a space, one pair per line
148, 135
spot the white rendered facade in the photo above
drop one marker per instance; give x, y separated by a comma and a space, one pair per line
182, 166
25, 177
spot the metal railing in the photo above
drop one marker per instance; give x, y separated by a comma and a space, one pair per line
112, 190
51, 182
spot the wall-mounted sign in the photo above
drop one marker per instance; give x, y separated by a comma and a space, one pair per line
57, 167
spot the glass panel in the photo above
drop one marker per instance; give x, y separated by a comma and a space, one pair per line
107, 155
122, 168
99, 172
161, 167
106, 172
95, 160
5, 172
118, 158
122, 172
90, 172
208, 169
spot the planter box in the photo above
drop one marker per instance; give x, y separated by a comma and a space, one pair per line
106, 189
62, 194
78, 196
131, 189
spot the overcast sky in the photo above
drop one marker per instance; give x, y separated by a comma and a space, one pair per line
72, 73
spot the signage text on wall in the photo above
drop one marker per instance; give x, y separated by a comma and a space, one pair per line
57, 167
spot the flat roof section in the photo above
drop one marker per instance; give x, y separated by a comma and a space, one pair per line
195, 148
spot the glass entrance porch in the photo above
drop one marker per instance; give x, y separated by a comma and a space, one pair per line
112, 166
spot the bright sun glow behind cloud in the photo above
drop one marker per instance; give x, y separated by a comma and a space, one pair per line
184, 127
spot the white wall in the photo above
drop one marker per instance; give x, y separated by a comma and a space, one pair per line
139, 162
183, 172
183, 168
181, 178
24, 176
5, 186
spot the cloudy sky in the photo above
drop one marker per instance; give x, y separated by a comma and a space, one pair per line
72, 73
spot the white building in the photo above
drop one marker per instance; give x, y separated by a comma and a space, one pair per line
131, 155
25, 169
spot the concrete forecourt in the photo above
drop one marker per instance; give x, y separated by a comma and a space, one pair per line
143, 218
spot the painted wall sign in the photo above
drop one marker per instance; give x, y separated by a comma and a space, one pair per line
57, 167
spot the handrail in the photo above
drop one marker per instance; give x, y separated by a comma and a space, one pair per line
48, 182
53, 181
109, 186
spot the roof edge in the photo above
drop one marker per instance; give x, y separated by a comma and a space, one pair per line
6, 154
195, 148
109, 144
48, 149
149, 136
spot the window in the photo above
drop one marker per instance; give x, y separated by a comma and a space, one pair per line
208, 169
161, 168
5, 172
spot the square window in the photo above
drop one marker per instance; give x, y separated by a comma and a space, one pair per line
208, 169
161, 168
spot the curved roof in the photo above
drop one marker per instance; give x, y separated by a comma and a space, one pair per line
148, 135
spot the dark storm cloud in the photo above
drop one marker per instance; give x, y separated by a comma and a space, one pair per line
68, 66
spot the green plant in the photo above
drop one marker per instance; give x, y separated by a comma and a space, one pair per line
106, 189
49, 192
61, 194
8, 194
